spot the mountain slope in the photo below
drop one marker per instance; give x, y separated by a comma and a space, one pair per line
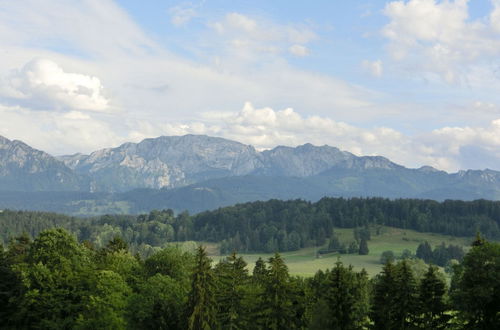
23, 168
164, 162
197, 172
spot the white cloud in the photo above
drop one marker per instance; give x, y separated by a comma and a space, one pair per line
447, 148
250, 37
242, 22
58, 133
439, 38
44, 84
375, 68
182, 14
298, 50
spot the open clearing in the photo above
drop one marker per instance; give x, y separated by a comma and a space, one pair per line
305, 262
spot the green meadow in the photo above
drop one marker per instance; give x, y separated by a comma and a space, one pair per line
306, 262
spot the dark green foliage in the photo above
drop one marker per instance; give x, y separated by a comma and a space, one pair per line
363, 247
54, 282
431, 303
383, 300
270, 226
405, 295
424, 252
159, 303
279, 310
476, 286
259, 271
387, 256
202, 309
232, 293
441, 254
341, 299
54, 279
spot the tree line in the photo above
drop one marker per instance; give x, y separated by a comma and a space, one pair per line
268, 226
55, 282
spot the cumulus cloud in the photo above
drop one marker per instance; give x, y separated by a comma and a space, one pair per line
59, 132
446, 148
375, 68
254, 36
43, 84
438, 37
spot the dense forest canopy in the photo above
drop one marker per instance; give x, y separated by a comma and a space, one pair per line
267, 226
55, 282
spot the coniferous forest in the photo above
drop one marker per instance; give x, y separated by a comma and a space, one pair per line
267, 226
55, 282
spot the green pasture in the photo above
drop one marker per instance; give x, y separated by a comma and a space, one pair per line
306, 262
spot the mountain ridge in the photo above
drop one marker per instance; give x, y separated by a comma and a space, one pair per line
213, 171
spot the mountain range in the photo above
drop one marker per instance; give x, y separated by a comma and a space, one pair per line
197, 172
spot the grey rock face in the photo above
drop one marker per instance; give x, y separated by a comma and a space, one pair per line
302, 161
23, 168
176, 161
180, 161
165, 162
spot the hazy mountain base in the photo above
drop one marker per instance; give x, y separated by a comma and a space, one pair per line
215, 193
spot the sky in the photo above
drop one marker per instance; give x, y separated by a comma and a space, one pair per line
416, 81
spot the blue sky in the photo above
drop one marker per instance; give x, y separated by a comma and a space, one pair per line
416, 81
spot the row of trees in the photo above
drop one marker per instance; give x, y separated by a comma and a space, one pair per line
441, 254
54, 282
269, 226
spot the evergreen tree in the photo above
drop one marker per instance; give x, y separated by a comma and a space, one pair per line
405, 291
277, 297
346, 297
476, 286
363, 247
202, 309
383, 304
259, 271
232, 281
424, 252
9, 288
431, 304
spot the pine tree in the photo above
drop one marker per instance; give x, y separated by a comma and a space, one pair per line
232, 281
476, 286
259, 271
277, 297
202, 309
431, 305
347, 298
424, 252
405, 296
383, 303
363, 247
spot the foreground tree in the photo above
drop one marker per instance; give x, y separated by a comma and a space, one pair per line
405, 292
383, 303
202, 309
278, 297
55, 279
431, 304
159, 304
232, 292
476, 286
343, 301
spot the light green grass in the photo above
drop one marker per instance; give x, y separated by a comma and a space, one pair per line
305, 262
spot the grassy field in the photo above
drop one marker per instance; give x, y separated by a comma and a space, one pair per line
305, 261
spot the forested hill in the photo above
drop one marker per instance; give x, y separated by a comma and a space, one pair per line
268, 226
